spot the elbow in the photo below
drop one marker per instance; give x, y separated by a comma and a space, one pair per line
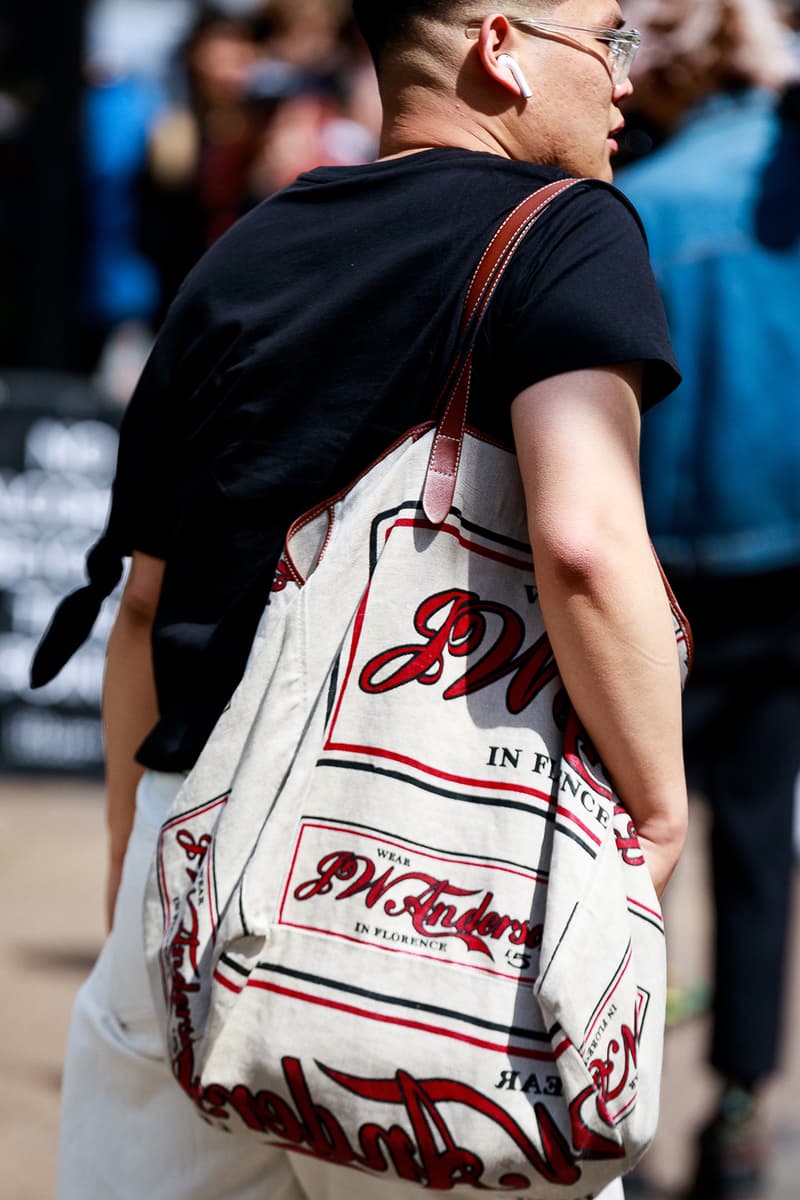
137, 608
142, 591
590, 551
581, 558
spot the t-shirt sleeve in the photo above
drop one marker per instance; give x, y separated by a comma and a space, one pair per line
581, 294
143, 497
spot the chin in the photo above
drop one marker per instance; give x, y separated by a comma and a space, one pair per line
599, 169
605, 171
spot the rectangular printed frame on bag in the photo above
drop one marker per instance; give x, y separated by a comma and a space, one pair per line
529, 669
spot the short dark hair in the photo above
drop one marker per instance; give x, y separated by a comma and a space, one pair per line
385, 23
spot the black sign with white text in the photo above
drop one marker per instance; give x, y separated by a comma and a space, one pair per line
58, 445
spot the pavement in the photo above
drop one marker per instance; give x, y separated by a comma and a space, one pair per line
51, 888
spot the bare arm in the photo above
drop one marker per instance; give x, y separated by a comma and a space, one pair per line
603, 601
129, 706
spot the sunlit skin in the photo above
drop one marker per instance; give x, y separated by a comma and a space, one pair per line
572, 119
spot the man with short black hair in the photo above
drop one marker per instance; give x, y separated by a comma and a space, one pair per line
313, 335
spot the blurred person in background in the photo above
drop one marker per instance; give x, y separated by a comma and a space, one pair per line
789, 11
219, 55
305, 33
269, 95
302, 126
310, 89
120, 286
200, 152
721, 205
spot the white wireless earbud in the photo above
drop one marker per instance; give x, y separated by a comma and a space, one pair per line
524, 87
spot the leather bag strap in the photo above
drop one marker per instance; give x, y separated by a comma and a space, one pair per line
440, 480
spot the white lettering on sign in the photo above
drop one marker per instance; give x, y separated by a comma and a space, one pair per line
62, 501
53, 507
50, 739
79, 683
84, 447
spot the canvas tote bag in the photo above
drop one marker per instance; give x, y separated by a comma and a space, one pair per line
397, 918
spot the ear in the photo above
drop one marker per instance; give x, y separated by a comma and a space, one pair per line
494, 40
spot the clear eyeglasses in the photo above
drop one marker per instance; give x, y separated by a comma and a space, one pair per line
622, 43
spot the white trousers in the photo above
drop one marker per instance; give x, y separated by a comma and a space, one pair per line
127, 1132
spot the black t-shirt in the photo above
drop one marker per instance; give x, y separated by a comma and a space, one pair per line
307, 340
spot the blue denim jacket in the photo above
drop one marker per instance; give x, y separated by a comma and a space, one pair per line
721, 458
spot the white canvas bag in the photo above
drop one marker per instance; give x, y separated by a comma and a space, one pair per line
398, 919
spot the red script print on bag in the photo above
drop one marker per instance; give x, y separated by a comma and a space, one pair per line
455, 623
425, 902
283, 577
615, 1070
423, 1149
419, 1147
373, 887
627, 839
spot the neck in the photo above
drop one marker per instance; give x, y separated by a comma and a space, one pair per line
408, 132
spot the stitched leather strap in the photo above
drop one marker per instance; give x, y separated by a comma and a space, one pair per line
440, 481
